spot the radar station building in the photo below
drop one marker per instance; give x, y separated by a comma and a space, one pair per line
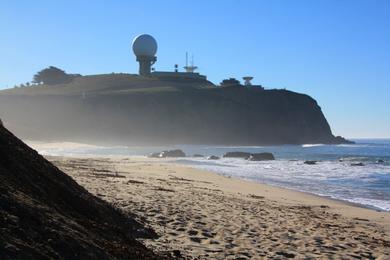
145, 49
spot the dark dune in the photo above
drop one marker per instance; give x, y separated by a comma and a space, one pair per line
45, 214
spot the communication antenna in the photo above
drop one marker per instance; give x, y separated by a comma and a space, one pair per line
190, 68
247, 82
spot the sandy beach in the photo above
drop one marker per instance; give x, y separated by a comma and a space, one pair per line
208, 216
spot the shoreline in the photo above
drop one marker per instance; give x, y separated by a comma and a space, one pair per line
206, 215
349, 203
342, 206
307, 196
119, 143
358, 199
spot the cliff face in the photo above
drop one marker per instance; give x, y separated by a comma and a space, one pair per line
145, 111
45, 214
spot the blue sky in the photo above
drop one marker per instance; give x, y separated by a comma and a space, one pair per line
336, 51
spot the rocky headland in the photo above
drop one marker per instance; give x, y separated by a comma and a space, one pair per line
130, 109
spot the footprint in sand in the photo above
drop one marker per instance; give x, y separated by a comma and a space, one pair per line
207, 234
181, 229
192, 232
196, 239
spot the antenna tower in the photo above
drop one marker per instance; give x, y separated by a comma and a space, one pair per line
190, 68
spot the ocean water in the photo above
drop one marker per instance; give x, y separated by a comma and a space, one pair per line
332, 176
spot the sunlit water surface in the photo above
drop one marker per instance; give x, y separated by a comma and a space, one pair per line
333, 176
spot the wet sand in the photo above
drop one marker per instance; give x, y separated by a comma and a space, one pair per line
209, 216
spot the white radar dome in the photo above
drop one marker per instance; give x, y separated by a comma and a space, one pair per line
144, 45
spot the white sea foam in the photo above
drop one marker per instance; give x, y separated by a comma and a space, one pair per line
353, 145
373, 203
338, 180
311, 145
233, 147
72, 148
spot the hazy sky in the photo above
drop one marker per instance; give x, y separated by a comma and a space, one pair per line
336, 51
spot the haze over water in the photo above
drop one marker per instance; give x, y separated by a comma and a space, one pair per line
333, 176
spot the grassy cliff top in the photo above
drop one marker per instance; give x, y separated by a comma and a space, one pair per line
115, 83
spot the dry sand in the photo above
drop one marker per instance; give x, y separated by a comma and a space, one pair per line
209, 216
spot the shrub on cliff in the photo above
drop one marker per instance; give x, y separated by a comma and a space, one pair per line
53, 75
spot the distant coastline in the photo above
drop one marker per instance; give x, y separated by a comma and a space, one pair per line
135, 110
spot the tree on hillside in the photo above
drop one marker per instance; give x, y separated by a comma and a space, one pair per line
51, 76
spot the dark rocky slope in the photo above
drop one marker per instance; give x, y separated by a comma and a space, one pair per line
136, 110
45, 214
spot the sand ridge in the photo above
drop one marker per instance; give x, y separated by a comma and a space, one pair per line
207, 216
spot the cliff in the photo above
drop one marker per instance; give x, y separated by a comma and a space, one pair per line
129, 109
44, 214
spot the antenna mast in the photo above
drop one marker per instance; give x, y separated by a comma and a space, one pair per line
190, 68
